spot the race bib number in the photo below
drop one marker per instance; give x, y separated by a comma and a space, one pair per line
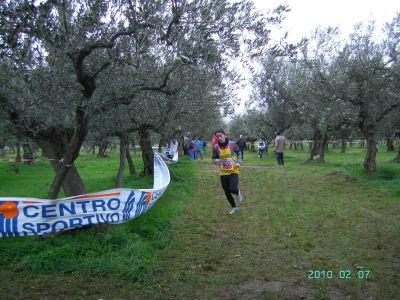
227, 164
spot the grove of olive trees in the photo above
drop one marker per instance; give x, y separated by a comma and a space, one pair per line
70, 67
335, 89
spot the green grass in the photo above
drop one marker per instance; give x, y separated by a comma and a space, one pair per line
300, 217
304, 216
129, 249
349, 164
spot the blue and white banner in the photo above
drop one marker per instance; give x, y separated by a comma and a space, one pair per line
170, 155
30, 216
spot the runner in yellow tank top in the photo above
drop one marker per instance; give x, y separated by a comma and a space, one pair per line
225, 154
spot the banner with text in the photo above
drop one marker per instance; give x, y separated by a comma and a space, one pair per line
29, 216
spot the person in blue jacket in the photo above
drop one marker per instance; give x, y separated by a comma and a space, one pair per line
199, 148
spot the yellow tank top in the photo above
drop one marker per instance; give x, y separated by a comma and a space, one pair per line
227, 165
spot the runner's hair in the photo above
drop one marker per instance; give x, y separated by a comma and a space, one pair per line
220, 131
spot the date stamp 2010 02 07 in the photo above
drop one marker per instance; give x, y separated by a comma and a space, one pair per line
340, 274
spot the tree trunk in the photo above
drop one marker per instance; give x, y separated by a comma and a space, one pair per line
370, 158
367, 126
28, 155
18, 158
67, 176
72, 184
132, 170
123, 145
343, 150
310, 146
397, 159
318, 149
390, 144
2, 146
147, 151
103, 151
161, 143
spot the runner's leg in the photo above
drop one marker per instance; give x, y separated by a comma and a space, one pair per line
225, 182
234, 184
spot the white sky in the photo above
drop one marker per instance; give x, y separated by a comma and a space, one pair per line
306, 15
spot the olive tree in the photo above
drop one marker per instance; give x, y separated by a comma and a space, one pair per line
58, 59
368, 77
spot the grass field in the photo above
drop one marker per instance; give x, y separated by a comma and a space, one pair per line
305, 230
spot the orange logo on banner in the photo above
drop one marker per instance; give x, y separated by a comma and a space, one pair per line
9, 209
148, 198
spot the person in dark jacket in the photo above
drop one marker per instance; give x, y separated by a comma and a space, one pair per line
241, 142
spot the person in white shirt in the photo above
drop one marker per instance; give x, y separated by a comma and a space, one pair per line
261, 148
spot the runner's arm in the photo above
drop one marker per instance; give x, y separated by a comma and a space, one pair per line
215, 155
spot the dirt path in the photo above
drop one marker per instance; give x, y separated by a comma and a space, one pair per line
265, 251
222, 256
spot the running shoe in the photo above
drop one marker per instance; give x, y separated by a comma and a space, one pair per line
233, 210
240, 197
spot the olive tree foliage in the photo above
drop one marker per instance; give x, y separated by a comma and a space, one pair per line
335, 88
189, 97
191, 75
368, 73
322, 108
54, 56
389, 129
59, 58
252, 124
295, 92
271, 91
200, 99
167, 95
6, 137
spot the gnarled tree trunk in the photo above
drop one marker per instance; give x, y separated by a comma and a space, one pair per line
54, 147
132, 170
161, 143
320, 141
367, 126
370, 159
18, 157
29, 154
390, 144
147, 151
343, 149
103, 150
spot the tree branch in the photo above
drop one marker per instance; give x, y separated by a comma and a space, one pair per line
387, 110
